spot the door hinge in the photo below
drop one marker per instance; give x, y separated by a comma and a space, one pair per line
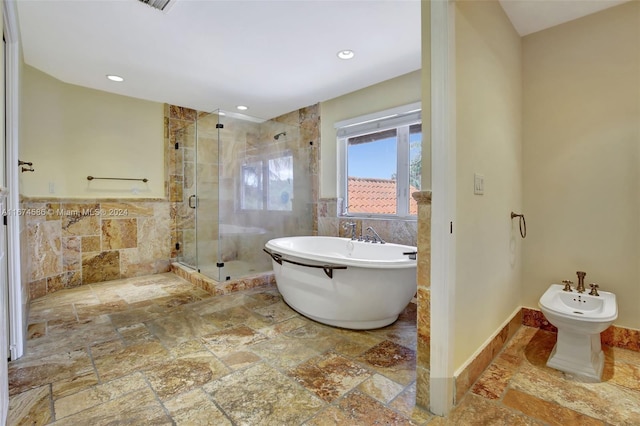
177, 145
451, 227
4, 220
177, 246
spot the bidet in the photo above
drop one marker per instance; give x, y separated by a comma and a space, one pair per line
579, 318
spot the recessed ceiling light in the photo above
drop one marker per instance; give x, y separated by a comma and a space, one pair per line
346, 54
113, 77
242, 107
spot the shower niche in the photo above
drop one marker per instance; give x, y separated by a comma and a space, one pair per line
244, 181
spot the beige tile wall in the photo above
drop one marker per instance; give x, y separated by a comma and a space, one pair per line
331, 223
179, 166
76, 242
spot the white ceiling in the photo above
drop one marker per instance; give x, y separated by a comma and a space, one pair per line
274, 56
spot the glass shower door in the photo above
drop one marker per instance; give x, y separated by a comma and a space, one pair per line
207, 205
246, 180
264, 190
184, 178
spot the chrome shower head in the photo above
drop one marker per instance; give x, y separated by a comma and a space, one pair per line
276, 137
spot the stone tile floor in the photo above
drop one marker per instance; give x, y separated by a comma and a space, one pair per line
156, 350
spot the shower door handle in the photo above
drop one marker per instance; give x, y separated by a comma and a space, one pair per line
195, 203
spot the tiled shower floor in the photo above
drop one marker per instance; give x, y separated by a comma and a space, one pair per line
156, 350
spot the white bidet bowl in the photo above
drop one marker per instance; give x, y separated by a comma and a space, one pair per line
579, 312
580, 318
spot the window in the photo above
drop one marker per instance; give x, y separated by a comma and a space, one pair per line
268, 183
380, 162
252, 186
280, 184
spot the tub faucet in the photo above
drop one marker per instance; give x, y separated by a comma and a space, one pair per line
375, 236
353, 229
581, 275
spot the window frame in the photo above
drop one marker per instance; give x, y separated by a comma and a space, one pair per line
399, 118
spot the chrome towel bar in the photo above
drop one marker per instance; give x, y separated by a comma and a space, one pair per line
106, 178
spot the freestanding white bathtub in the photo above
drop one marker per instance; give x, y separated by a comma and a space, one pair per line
342, 282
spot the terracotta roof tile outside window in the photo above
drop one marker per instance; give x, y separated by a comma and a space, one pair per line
375, 196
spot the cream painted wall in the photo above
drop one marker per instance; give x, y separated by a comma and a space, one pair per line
388, 94
488, 133
582, 156
70, 132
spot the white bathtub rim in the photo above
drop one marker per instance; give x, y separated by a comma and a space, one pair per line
301, 256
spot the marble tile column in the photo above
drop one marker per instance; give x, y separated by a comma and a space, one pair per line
423, 198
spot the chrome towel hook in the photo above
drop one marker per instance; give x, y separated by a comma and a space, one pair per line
522, 223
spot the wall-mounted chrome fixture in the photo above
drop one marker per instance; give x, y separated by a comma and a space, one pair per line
522, 223
26, 163
145, 180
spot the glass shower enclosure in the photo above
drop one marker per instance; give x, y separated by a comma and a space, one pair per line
246, 181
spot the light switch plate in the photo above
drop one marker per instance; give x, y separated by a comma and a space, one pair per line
478, 184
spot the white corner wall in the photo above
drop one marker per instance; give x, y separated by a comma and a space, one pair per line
582, 156
4, 282
488, 134
70, 132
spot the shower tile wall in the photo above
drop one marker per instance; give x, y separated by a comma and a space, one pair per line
180, 177
219, 184
307, 121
